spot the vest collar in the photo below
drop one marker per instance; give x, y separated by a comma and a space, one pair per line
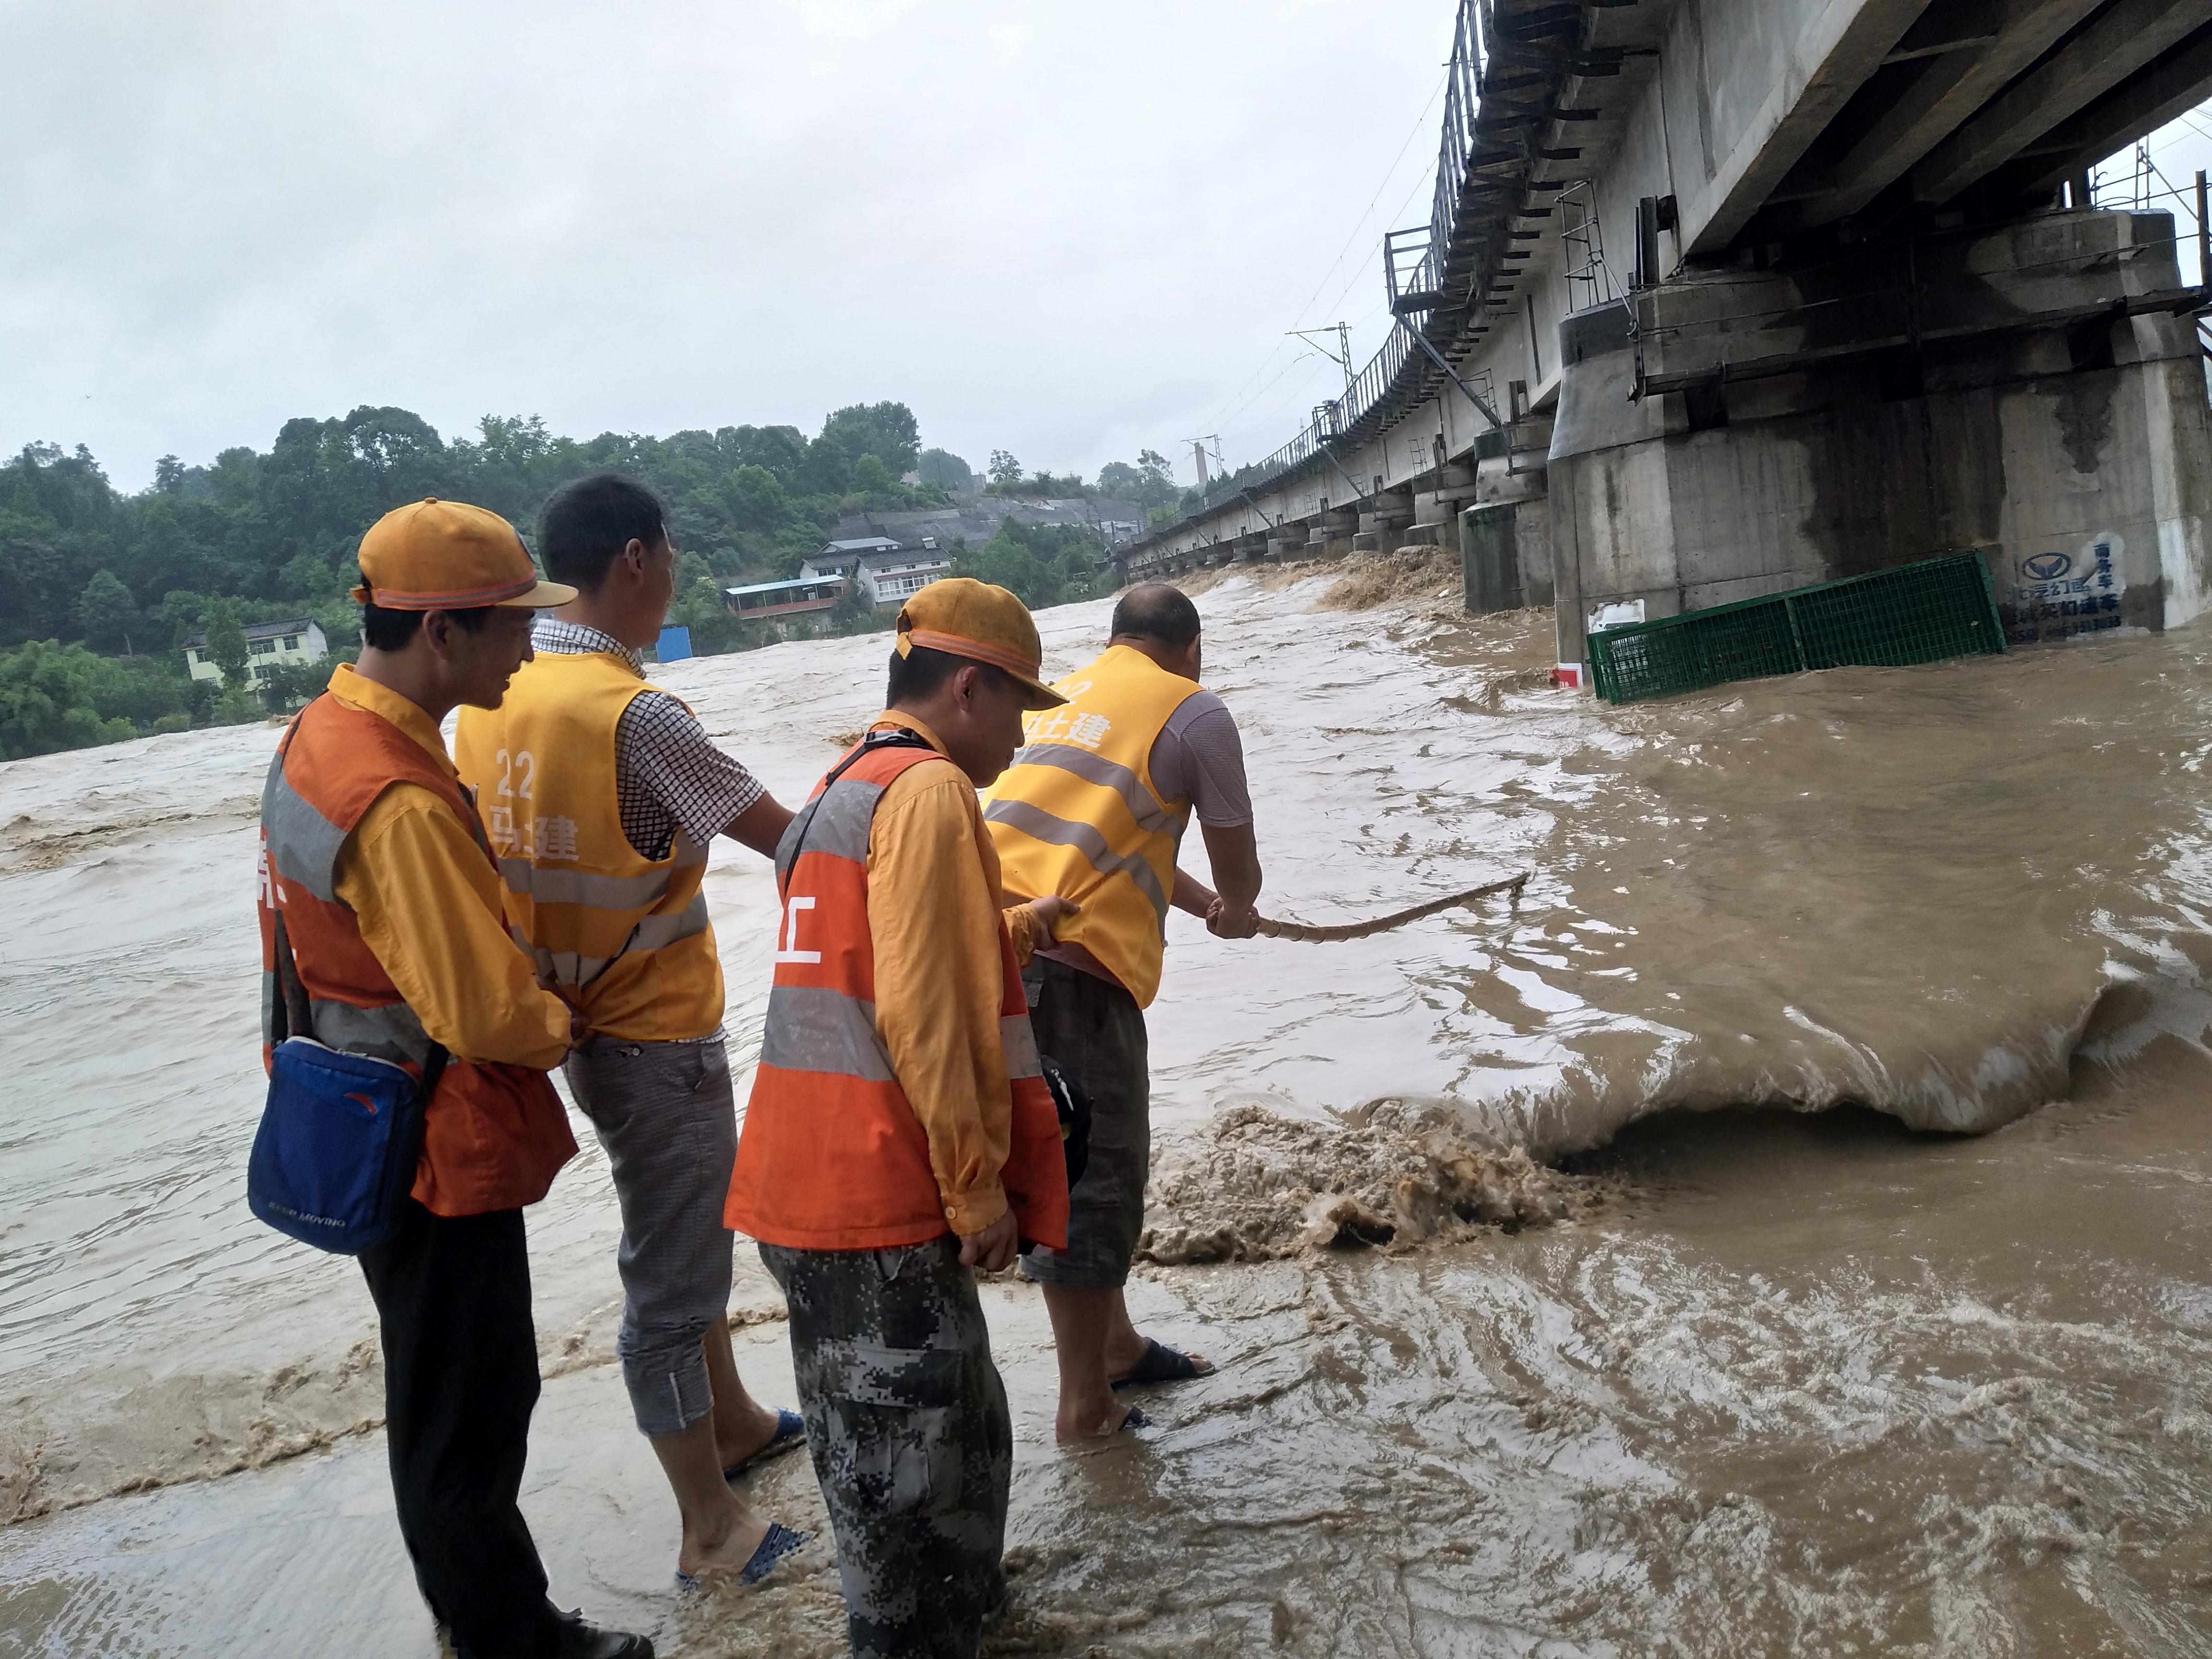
920, 729
356, 690
1129, 656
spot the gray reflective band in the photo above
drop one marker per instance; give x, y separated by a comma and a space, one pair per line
390, 1032
1144, 806
811, 1028
302, 843
684, 851
567, 968
838, 825
656, 931
1041, 825
1018, 1037
553, 886
664, 929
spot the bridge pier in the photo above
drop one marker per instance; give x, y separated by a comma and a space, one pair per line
2034, 392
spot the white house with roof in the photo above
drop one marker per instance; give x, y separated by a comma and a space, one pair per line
299, 641
887, 570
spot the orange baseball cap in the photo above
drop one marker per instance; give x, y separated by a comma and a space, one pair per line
448, 556
964, 618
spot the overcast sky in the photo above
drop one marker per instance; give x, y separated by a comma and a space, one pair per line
1067, 230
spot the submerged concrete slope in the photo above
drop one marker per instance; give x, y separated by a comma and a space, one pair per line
1722, 296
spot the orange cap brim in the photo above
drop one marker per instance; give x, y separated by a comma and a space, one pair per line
952, 645
533, 595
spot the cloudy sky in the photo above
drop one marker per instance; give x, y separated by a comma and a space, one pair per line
1067, 230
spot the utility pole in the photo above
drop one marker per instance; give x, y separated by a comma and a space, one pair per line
2203, 235
1198, 453
1341, 356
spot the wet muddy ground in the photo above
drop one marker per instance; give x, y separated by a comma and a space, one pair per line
1551, 1321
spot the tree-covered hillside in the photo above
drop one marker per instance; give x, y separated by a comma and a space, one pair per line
99, 589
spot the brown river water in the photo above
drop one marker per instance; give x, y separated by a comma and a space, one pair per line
1788, 1230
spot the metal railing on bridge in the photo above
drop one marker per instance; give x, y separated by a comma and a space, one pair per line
1413, 259
1412, 262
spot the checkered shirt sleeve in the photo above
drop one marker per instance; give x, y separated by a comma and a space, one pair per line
669, 773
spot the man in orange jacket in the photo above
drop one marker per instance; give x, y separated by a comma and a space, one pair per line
900, 1134
377, 877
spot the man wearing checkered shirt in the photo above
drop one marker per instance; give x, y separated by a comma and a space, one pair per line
601, 794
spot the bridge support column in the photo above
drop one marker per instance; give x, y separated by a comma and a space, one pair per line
2034, 392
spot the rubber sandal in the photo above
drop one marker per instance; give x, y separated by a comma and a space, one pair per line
1162, 1364
779, 1542
1135, 1420
790, 1434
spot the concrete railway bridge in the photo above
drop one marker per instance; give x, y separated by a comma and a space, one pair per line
1722, 297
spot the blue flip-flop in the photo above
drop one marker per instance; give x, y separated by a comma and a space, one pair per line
790, 1434
779, 1542
1161, 1363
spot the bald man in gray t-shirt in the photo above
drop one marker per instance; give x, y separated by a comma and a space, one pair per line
1088, 1022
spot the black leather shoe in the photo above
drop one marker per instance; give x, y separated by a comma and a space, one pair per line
577, 1640
574, 1639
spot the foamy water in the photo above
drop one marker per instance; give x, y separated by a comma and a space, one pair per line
1764, 1385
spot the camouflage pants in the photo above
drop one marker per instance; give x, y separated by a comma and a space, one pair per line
907, 1421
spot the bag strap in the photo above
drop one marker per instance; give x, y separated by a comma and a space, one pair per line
291, 1014
890, 737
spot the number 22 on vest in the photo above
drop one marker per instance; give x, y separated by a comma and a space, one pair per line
501, 817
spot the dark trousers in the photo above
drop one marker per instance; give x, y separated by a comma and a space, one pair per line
460, 1379
1095, 1031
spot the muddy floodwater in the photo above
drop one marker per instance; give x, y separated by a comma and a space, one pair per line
1787, 1231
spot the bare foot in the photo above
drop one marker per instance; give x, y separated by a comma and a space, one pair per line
726, 1557
755, 1430
1088, 1420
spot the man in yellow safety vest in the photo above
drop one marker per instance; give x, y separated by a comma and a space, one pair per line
601, 794
1093, 811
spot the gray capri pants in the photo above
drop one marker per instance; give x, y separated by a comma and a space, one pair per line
666, 1117
1095, 1031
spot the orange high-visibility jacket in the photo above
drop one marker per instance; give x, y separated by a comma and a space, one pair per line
495, 1135
832, 1156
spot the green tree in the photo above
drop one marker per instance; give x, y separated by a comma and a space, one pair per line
1005, 469
1042, 564
1149, 483
886, 431
106, 612
225, 644
942, 468
871, 477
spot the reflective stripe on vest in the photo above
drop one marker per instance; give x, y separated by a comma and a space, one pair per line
624, 937
1076, 814
494, 1136
832, 1156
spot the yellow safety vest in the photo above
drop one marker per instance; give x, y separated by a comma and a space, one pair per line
624, 938
1077, 815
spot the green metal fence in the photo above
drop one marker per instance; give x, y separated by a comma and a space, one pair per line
1938, 608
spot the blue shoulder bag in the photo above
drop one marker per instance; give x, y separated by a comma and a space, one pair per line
340, 1135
